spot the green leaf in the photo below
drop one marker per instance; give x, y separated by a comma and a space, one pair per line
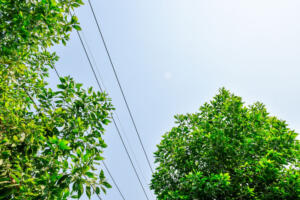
61, 86
64, 42
80, 189
63, 178
66, 164
97, 190
78, 28
106, 184
75, 196
74, 19
90, 174
53, 139
63, 145
88, 191
101, 175
103, 189
78, 85
90, 90
106, 121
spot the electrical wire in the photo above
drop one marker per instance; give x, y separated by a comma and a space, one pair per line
113, 180
56, 72
122, 130
115, 113
119, 84
118, 131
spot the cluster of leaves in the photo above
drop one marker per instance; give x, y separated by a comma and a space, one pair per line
228, 151
29, 27
50, 139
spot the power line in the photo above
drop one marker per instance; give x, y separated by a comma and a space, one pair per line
119, 84
103, 162
126, 138
130, 146
113, 180
56, 72
118, 131
115, 113
129, 157
122, 130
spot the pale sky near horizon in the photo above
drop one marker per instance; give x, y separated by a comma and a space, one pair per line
173, 55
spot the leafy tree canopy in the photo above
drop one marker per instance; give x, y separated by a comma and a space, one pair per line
228, 151
50, 139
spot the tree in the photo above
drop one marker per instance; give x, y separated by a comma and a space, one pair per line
50, 138
228, 151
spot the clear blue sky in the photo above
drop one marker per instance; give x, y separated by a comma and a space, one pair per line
173, 55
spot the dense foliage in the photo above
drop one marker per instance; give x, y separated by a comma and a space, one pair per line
228, 151
50, 139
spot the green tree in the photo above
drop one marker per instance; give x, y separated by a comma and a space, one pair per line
50, 139
228, 151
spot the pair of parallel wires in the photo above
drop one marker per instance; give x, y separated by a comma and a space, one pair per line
126, 103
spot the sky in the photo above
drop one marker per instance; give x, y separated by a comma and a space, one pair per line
173, 55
